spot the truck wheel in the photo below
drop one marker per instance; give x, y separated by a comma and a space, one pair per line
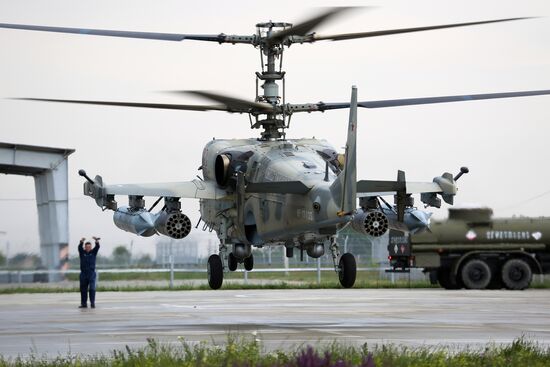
476, 274
348, 270
516, 274
215, 271
444, 278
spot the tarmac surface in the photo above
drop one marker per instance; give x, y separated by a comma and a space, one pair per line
51, 323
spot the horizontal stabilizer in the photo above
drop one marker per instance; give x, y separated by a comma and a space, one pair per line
284, 187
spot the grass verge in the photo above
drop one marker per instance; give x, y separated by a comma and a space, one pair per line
238, 351
226, 286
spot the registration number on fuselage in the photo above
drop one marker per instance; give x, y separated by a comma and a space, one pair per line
304, 213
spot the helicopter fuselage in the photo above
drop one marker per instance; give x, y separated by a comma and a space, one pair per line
273, 217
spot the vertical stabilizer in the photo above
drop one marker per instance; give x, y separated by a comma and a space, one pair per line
347, 180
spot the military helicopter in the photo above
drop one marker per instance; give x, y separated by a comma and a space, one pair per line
271, 190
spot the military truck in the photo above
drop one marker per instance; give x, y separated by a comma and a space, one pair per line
472, 250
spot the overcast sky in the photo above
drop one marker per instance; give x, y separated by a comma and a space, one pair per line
504, 142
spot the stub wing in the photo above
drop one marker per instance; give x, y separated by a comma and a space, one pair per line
444, 185
104, 195
366, 188
195, 189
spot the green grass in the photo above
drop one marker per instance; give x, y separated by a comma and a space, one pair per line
292, 276
275, 280
228, 286
371, 277
238, 351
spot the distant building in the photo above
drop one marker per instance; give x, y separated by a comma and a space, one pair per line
191, 250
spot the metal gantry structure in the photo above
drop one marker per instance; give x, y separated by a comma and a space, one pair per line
49, 168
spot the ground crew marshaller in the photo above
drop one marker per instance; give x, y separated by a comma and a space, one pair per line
87, 271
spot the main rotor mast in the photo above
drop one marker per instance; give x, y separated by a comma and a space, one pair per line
274, 123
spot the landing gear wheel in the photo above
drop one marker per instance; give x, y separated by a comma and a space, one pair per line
232, 262
215, 271
476, 274
249, 263
348, 270
516, 274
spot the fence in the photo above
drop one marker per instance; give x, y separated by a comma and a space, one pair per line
30, 276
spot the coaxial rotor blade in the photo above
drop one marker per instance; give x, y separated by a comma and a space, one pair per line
220, 38
305, 27
322, 106
347, 36
445, 99
163, 106
233, 103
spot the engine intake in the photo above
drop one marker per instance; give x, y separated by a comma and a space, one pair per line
173, 224
372, 222
229, 163
222, 168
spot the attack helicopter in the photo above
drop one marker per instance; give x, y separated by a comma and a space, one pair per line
270, 190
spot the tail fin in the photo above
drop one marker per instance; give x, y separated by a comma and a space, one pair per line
346, 183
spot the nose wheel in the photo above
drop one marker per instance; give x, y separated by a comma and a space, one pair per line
249, 263
232, 262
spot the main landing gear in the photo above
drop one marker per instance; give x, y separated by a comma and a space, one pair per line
215, 271
348, 270
346, 267
215, 267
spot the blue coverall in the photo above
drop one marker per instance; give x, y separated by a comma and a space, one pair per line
87, 273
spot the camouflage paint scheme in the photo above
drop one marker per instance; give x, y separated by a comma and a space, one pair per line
277, 218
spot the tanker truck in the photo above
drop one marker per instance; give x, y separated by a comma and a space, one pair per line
474, 251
